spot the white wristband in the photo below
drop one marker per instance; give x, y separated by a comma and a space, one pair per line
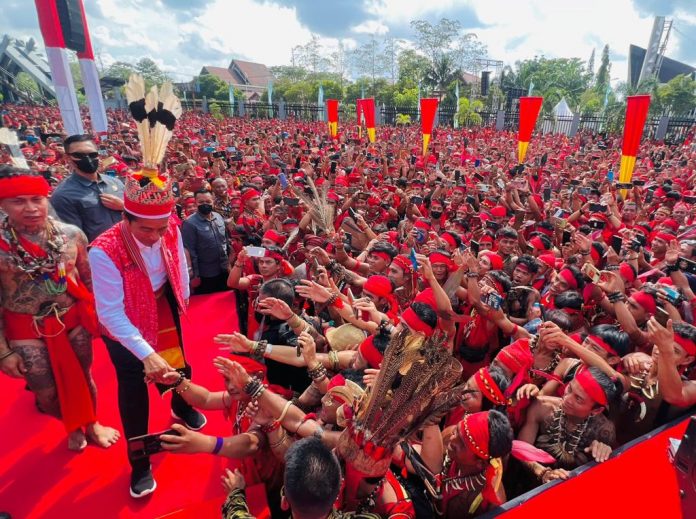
269, 349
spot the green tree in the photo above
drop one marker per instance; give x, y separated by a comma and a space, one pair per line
120, 69
340, 62
679, 94
441, 75
311, 56
290, 73
213, 87
367, 60
590, 67
412, 68
390, 58
407, 98
151, 72
403, 119
216, 111
467, 51
469, 112
604, 72
436, 41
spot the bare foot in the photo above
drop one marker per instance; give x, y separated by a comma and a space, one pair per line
102, 435
77, 441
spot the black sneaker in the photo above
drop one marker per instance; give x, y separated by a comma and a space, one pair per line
191, 418
142, 483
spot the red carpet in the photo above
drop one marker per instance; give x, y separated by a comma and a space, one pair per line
40, 478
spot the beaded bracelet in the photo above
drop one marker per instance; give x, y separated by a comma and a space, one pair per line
254, 388
472, 274
259, 349
317, 373
283, 437
616, 297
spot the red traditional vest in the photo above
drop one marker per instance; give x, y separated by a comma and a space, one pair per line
139, 298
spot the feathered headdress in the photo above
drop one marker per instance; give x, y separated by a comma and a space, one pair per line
9, 139
416, 386
321, 211
148, 192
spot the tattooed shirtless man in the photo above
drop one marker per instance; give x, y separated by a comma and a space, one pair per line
47, 315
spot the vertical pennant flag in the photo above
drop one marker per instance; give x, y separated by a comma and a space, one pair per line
368, 110
419, 100
332, 116
531, 88
270, 99
606, 96
636, 114
456, 110
231, 94
358, 112
320, 103
57, 39
529, 113
428, 107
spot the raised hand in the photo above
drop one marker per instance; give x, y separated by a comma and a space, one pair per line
275, 307
234, 343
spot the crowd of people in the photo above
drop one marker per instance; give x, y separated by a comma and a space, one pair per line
419, 334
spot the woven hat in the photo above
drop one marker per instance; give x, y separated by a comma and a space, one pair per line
344, 336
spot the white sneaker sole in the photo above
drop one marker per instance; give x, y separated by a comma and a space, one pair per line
145, 492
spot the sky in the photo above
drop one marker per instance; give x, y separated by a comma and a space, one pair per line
184, 35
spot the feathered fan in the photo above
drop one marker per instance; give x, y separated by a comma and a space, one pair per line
9, 139
155, 114
416, 386
321, 211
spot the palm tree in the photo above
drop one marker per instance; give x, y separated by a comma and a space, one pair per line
441, 74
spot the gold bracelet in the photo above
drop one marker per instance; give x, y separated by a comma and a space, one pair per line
285, 410
333, 359
283, 437
294, 321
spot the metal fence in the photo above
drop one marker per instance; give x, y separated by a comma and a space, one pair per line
673, 128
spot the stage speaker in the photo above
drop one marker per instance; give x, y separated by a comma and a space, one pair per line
685, 463
70, 15
485, 82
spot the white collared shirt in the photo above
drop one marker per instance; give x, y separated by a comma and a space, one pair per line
108, 292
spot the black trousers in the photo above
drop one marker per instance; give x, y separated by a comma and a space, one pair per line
133, 396
210, 285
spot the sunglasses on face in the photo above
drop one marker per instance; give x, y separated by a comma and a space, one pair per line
78, 155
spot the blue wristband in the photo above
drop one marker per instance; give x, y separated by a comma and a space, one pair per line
218, 445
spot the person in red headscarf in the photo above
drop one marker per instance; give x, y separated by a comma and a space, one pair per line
47, 318
252, 219
470, 470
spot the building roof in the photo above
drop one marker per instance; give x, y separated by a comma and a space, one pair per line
248, 73
669, 69
219, 72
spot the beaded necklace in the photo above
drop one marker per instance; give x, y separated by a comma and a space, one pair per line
34, 261
564, 445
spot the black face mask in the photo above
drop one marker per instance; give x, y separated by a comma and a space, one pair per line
205, 209
87, 165
436, 214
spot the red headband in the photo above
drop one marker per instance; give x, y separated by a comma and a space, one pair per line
438, 257
23, 185
370, 353
495, 260
249, 194
386, 257
590, 385
568, 277
665, 236
602, 344
274, 236
404, 263
415, 323
687, 344
488, 387
474, 431
537, 243
447, 237
646, 301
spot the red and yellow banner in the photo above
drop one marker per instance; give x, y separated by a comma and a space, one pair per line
332, 116
636, 114
428, 109
367, 106
529, 113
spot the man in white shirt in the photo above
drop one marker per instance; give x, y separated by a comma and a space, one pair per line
141, 284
